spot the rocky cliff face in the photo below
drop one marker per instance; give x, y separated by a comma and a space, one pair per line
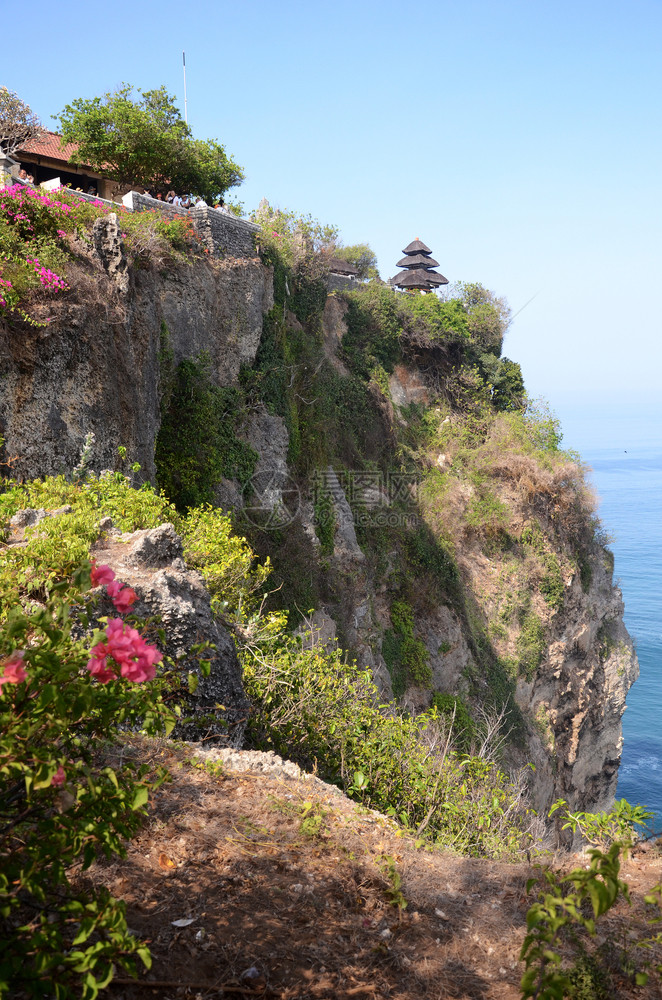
97, 366
578, 696
572, 692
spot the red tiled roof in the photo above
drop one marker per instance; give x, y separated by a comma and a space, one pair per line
49, 144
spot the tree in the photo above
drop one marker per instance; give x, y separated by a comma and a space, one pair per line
146, 142
488, 315
18, 123
362, 256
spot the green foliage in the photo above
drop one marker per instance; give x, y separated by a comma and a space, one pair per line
59, 544
604, 829
552, 586
145, 142
332, 420
505, 379
325, 713
373, 330
531, 645
435, 556
227, 563
457, 711
299, 248
543, 427
394, 893
60, 803
325, 520
197, 444
486, 514
488, 316
300, 242
587, 981
405, 655
382, 322
362, 256
558, 917
556, 912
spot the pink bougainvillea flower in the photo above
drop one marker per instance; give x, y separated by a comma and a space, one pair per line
101, 574
97, 665
14, 671
59, 777
121, 596
125, 646
126, 597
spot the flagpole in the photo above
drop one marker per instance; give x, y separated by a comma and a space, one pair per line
185, 105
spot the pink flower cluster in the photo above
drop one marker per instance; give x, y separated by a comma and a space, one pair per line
124, 648
121, 596
4, 283
21, 196
48, 278
59, 777
14, 671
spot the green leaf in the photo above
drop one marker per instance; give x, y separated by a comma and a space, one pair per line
140, 797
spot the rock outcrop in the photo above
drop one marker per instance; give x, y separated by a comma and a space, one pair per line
151, 561
578, 696
97, 366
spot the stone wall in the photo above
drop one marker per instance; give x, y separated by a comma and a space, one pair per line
222, 234
341, 283
225, 234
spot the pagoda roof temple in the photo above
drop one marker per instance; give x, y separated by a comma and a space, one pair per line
418, 264
418, 260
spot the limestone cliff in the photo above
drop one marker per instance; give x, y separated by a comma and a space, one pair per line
96, 368
449, 552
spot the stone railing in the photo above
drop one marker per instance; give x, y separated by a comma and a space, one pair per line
222, 234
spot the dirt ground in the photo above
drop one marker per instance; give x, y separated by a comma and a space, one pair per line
246, 884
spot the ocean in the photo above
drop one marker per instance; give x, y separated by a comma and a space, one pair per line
627, 475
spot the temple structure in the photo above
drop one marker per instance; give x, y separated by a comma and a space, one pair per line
418, 263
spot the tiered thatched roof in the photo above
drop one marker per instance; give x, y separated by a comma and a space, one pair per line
418, 263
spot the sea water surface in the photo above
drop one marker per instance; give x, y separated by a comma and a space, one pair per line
627, 475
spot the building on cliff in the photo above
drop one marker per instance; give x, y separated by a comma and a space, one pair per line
47, 158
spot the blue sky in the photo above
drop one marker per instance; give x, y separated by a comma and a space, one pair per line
522, 141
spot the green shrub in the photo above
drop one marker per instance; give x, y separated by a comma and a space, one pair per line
59, 803
454, 708
228, 565
197, 444
57, 545
325, 520
405, 656
552, 587
486, 514
531, 645
325, 713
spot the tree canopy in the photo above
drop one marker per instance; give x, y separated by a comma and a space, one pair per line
18, 123
144, 141
362, 256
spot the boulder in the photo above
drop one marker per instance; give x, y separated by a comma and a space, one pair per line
151, 562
